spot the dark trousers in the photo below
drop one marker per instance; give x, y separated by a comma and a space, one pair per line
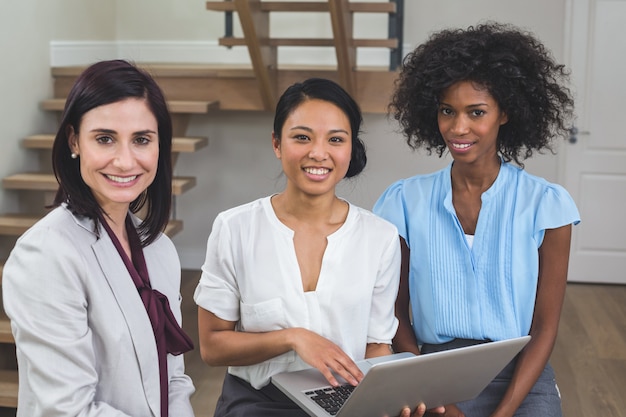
543, 399
240, 399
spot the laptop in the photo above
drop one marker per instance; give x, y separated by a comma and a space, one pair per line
393, 382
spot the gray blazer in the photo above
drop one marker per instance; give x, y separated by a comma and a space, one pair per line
84, 342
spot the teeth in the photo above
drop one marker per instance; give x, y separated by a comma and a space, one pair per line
121, 179
317, 171
461, 145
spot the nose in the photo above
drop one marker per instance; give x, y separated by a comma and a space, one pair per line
460, 125
124, 158
318, 151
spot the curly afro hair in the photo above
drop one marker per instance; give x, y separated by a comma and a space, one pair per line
511, 64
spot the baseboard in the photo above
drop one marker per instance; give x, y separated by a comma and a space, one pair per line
66, 53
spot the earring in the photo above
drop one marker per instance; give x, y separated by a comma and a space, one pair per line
74, 155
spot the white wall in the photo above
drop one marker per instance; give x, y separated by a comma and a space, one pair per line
239, 165
26, 29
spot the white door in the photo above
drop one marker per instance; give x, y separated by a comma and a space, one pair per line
594, 167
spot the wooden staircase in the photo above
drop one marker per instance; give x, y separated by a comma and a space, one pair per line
370, 87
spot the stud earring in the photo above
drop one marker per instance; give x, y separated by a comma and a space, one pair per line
74, 155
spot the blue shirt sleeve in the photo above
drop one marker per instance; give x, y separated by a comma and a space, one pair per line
390, 206
556, 209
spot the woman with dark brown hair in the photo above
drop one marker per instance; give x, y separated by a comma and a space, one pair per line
92, 290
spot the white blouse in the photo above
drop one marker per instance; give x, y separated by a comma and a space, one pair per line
251, 276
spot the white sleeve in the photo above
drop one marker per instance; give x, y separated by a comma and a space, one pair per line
217, 290
383, 323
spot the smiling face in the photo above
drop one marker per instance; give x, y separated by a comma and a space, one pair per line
118, 147
469, 120
315, 147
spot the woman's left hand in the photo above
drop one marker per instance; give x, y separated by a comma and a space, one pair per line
451, 410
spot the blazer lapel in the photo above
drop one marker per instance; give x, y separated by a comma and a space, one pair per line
135, 315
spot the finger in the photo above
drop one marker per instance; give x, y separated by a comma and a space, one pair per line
350, 379
437, 410
420, 410
329, 376
348, 371
349, 365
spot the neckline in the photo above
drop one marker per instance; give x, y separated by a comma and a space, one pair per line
271, 214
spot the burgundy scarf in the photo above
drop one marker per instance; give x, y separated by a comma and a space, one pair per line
169, 336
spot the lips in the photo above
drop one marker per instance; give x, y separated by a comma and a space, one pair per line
121, 180
317, 171
460, 146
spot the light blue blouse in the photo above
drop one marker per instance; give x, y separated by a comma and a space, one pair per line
486, 291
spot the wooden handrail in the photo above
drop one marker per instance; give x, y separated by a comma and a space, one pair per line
255, 27
342, 24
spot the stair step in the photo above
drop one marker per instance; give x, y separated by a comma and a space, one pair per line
314, 6
5, 330
17, 224
179, 144
376, 43
175, 106
8, 388
47, 182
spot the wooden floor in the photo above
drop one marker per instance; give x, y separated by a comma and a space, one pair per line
589, 357
207, 379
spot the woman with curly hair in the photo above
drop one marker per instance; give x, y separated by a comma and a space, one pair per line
485, 245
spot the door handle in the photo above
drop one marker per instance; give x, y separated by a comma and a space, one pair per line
573, 135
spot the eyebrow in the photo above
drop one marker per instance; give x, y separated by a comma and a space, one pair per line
308, 129
111, 131
468, 106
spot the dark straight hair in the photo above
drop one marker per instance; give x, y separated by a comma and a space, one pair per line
104, 83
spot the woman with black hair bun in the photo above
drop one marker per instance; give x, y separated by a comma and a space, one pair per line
300, 278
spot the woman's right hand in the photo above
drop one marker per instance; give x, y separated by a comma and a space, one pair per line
420, 411
326, 356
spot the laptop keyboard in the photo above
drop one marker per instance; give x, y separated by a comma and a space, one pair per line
329, 398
